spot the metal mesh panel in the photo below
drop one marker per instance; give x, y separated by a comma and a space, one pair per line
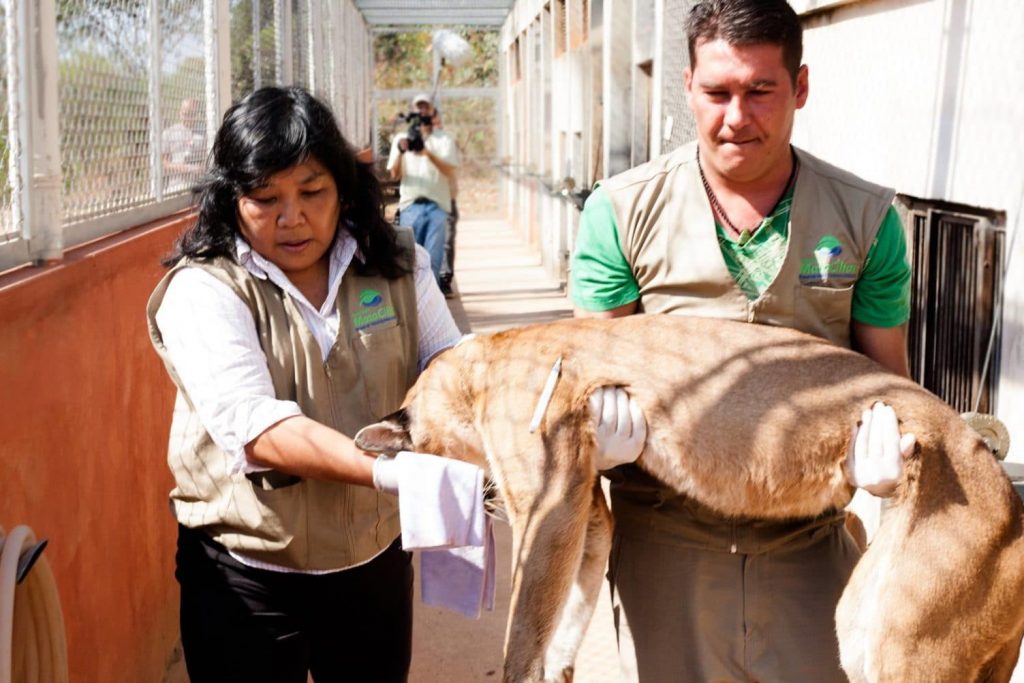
473, 122
8, 226
104, 115
183, 141
322, 53
300, 43
340, 95
333, 49
252, 46
675, 59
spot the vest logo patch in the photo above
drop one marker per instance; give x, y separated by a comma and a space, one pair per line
826, 266
371, 312
370, 297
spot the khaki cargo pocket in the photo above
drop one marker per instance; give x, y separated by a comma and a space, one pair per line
830, 305
382, 358
276, 510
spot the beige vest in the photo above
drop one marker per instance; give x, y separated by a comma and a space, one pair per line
279, 518
667, 233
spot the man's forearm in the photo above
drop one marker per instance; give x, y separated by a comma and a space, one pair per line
617, 312
884, 345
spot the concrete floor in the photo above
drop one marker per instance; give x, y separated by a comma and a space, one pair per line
499, 284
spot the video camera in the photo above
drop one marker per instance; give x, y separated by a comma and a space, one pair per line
414, 134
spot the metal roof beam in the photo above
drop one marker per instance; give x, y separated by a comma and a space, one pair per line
448, 18
419, 6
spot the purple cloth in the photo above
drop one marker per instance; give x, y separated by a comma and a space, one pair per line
440, 502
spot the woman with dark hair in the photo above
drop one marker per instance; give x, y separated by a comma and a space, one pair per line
293, 314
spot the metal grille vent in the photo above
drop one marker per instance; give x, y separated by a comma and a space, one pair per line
955, 298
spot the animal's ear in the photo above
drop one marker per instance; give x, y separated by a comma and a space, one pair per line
390, 435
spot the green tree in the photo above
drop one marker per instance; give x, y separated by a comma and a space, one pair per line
120, 28
404, 60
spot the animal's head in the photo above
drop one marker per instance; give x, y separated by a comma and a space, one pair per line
437, 415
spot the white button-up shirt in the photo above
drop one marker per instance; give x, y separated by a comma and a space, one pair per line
211, 340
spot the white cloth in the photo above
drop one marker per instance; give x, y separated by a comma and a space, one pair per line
420, 176
212, 342
441, 505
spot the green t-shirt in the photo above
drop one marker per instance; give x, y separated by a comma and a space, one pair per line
602, 279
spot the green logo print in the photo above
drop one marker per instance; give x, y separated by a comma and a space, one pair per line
370, 297
372, 313
829, 245
825, 266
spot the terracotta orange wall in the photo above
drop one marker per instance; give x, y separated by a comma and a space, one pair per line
84, 414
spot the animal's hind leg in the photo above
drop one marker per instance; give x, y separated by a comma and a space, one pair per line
1000, 668
548, 541
561, 654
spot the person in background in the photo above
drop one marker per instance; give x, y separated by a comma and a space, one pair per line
742, 225
183, 147
425, 169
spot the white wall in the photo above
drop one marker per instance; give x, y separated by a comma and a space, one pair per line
928, 96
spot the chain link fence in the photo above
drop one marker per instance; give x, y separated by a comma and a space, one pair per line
8, 226
138, 87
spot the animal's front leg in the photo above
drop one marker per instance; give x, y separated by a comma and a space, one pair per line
565, 644
547, 550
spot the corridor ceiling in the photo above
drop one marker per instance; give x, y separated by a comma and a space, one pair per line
380, 13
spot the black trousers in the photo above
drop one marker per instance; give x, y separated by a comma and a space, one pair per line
253, 625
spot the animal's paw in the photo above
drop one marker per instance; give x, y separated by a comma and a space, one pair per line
875, 460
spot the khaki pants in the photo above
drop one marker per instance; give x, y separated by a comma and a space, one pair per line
690, 615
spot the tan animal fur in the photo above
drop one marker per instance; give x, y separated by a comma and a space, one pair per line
751, 421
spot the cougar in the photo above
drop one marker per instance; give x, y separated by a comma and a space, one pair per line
752, 421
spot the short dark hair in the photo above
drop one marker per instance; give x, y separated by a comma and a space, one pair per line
269, 131
748, 22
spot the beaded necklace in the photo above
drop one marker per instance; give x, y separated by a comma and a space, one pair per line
743, 236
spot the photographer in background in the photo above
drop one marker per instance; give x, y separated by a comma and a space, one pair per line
425, 159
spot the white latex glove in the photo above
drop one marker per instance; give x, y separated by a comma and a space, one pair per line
619, 426
386, 469
875, 460
385, 475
